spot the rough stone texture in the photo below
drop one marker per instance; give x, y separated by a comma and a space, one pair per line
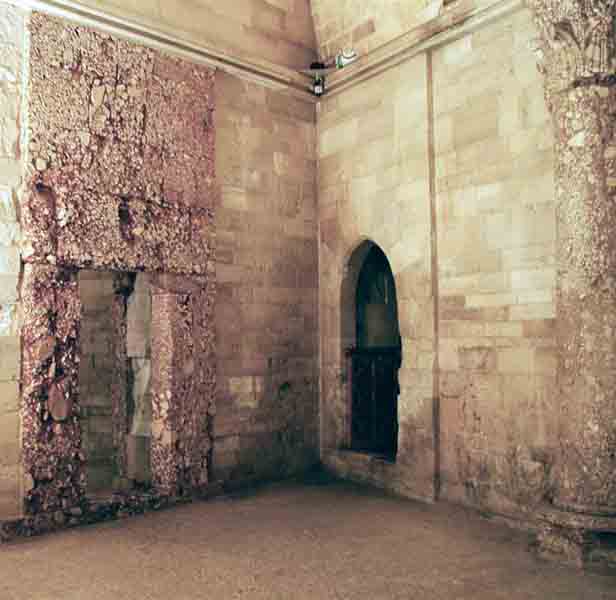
266, 316
119, 505
374, 184
496, 253
12, 43
52, 457
279, 31
122, 178
183, 369
120, 147
576, 54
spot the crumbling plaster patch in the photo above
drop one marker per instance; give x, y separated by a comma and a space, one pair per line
121, 177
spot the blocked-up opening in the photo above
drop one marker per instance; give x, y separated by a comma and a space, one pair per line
114, 380
139, 371
96, 374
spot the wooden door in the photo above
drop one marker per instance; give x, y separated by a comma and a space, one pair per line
374, 400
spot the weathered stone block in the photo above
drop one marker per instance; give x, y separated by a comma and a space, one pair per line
9, 397
9, 491
10, 446
477, 358
9, 137
9, 358
8, 291
533, 279
473, 126
515, 360
545, 361
10, 65
529, 312
11, 24
8, 213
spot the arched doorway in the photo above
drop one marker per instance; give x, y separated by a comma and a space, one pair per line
374, 355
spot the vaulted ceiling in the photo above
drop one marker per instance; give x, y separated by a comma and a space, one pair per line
276, 31
363, 24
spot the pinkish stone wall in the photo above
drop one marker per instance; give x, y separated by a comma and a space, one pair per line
122, 149
121, 178
266, 317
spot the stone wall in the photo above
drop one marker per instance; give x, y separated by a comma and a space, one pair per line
111, 188
12, 44
280, 32
578, 74
266, 317
96, 377
362, 25
120, 178
492, 279
366, 24
374, 184
496, 246
115, 372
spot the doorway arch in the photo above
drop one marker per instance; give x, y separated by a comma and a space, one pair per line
371, 341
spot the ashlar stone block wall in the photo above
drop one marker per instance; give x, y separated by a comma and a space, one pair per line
266, 315
96, 376
368, 25
365, 24
476, 407
12, 34
374, 184
496, 268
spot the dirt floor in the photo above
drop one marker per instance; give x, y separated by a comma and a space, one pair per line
293, 541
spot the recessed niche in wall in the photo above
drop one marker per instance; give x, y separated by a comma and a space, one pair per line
114, 380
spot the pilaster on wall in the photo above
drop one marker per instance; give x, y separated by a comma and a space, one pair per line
577, 59
12, 50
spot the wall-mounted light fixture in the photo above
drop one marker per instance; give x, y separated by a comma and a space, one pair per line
318, 71
318, 85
